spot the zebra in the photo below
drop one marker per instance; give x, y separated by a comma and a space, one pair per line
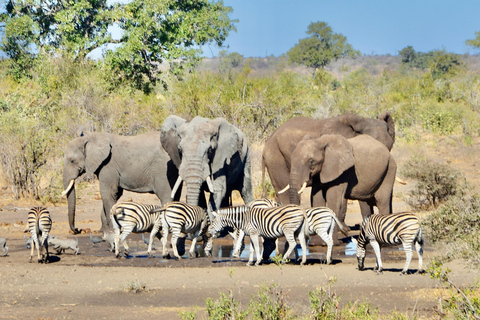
128, 217
239, 236
321, 221
269, 223
389, 230
39, 224
180, 218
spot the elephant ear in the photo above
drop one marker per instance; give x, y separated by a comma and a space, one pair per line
230, 141
387, 117
170, 139
338, 157
97, 150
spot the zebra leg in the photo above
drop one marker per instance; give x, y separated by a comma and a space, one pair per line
165, 228
154, 231
327, 237
419, 249
46, 256
256, 246
407, 247
277, 248
122, 239
290, 237
239, 243
117, 241
378, 256
37, 244
173, 242
303, 244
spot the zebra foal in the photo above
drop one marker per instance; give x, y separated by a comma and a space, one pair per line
269, 223
321, 221
390, 230
39, 224
180, 218
128, 217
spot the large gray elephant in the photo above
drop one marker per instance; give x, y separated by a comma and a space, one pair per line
211, 155
360, 168
279, 147
134, 163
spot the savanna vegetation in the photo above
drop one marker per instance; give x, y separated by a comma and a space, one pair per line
50, 89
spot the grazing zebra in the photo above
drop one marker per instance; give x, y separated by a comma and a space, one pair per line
239, 236
269, 223
128, 217
390, 230
39, 224
180, 218
322, 220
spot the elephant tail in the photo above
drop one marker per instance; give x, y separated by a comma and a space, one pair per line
339, 224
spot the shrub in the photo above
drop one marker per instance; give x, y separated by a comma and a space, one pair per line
436, 183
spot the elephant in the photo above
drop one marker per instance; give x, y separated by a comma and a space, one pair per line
134, 163
211, 155
359, 168
276, 157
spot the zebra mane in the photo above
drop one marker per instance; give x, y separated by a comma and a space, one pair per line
234, 209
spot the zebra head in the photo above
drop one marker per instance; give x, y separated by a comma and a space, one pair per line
215, 225
360, 254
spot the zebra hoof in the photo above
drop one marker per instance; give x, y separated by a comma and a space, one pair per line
167, 256
249, 263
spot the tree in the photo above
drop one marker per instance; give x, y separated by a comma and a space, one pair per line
321, 47
408, 54
151, 31
475, 43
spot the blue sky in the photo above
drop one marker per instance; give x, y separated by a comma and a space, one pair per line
268, 27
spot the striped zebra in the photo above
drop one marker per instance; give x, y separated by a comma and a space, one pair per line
321, 221
269, 223
180, 218
39, 224
128, 217
390, 230
239, 236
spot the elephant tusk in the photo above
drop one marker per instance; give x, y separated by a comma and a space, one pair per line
210, 184
284, 189
304, 185
399, 180
70, 185
176, 186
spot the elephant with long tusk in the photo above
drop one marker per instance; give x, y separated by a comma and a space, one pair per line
211, 155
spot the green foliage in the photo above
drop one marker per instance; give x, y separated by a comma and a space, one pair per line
456, 225
224, 308
475, 43
270, 303
436, 183
460, 304
152, 31
228, 61
440, 62
321, 47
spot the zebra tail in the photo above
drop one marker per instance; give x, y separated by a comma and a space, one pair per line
340, 226
419, 237
154, 210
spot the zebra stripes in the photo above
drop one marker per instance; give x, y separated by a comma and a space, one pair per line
322, 220
389, 230
239, 236
39, 224
269, 223
128, 217
180, 217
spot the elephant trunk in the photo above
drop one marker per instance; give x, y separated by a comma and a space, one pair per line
193, 192
194, 179
71, 198
297, 181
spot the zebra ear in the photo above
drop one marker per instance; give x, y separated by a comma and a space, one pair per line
355, 241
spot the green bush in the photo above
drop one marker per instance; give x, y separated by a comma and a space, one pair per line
436, 183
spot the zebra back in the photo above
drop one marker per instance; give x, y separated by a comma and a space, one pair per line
180, 214
390, 229
142, 215
263, 203
39, 221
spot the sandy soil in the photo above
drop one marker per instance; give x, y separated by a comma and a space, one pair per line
96, 285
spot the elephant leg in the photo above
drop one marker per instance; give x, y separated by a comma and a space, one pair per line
110, 194
338, 203
365, 208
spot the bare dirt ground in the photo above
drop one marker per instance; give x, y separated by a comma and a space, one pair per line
96, 285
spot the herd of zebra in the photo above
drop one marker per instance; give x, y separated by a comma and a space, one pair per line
259, 219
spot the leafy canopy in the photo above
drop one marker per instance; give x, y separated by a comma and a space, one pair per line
321, 47
475, 43
151, 31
